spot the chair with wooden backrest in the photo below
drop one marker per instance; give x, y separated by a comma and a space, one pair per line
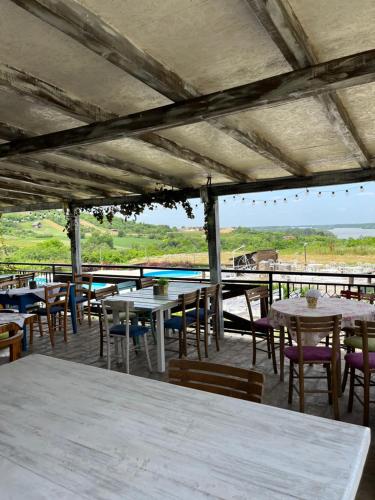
145, 283
219, 379
83, 291
187, 302
123, 331
261, 329
350, 295
364, 362
23, 279
56, 299
97, 309
301, 355
209, 314
13, 340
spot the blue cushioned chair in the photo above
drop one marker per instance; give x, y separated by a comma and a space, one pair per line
122, 331
188, 302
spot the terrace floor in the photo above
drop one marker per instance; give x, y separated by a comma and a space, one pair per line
235, 350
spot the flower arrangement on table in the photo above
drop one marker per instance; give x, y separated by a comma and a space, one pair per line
312, 297
161, 286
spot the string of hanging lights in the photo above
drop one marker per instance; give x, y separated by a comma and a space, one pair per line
295, 197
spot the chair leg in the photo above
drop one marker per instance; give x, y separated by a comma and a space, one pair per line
31, 329
268, 345
147, 353
254, 350
51, 330
351, 390
180, 344
366, 398
206, 334
345, 376
198, 338
273, 353
123, 354
291, 380
108, 352
301, 380
329, 383
101, 345
40, 326
215, 329
89, 313
335, 393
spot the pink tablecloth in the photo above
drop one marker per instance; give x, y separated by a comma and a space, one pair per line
350, 310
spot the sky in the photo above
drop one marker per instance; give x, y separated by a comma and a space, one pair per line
307, 208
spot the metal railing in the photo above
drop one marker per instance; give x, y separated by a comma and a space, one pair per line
282, 283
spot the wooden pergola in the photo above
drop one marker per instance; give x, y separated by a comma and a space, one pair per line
102, 102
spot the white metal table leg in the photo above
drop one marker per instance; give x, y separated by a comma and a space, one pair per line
160, 340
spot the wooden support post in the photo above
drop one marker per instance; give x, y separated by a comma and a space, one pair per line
214, 247
75, 241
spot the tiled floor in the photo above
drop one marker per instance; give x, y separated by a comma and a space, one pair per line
235, 350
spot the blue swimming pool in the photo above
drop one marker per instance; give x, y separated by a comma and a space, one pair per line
95, 286
173, 274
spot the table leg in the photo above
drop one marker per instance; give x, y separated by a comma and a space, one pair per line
73, 308
22, 309
282, 344
160, 340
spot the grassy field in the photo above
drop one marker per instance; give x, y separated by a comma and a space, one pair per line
36, 238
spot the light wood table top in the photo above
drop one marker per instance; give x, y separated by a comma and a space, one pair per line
72, 431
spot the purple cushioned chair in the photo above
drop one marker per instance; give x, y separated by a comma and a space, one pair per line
364, 362
300, 355
261, 329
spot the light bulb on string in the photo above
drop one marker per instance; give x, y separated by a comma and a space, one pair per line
254, 202
333, 193
320, 193
274, 201
285, 200
242, 199
307, 192
265, 202
296, 197
346, 191
361, 188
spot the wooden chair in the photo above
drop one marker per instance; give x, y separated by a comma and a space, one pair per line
364, 362
209, 315
219, 379
83, 291
123, 332
261, 329
187, 302
56, 305
145, 283
23, 279
14, 341
350, 295
300, 355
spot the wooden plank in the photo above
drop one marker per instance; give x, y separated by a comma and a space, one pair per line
150, 451
91, 31
281, 23
9, 132
345, 72
40, 91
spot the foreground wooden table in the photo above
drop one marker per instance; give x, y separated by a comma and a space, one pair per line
69, 431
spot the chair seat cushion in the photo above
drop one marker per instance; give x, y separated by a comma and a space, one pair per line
121, 316
42, 311
262, 324
193, 314
356, 342
355, 359
134, 330
176, 323
310, 353
80, 300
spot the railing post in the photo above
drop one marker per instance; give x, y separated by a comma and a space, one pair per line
270, 286
75, 240
214, 246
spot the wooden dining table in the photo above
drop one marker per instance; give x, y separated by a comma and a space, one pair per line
145, 300
81, 432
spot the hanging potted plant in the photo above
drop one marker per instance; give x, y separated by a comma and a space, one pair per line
161, 286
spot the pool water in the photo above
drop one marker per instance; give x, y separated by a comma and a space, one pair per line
173, 274
95, 286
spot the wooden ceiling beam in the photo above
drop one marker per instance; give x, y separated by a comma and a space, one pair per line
92, 32
282, 25
39, 91
20, 184
340, 73
10, 132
